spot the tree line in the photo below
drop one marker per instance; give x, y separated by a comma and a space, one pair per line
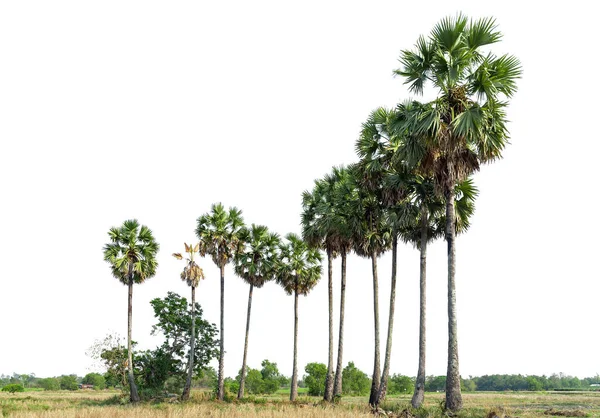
412, 184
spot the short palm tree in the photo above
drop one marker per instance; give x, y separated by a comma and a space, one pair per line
298, 272
219, 232
255, 264
131, 254
462, 129
192, 274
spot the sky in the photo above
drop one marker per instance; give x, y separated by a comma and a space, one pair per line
154, 110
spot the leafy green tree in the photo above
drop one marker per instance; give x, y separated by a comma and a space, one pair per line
356, 382
435, 383
68, 382
219, 232
271, 377
316, 374
131, 254
49, 383
464, 127
174, 317
325, 226
298, 272
191, 274
255, 264
401, 384
115, 361
14, 387
94, 379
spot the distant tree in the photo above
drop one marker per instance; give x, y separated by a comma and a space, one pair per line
49, 383
191, 274
219, 232
355, 382
435, 383
131, 254
399, 384
271, 377
94, 379
316, 374
14, 387
207, 378
68, 382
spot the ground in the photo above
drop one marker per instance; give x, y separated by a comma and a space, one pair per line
92, 404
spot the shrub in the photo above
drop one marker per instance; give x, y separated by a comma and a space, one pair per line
13, 387
94, 379
354, 381
315, 380
69, 382
49, 383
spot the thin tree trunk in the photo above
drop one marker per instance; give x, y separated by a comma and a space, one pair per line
388, 347
419, 394
329, 379
188, 384
376, 366
294, 388
243, 376
221, 389
337, 390
133, 393
453, 395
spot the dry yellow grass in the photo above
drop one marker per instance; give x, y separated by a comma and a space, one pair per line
91, 404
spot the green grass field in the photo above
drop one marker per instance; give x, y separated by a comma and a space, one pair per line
92, 404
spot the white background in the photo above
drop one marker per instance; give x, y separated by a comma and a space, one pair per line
154, 110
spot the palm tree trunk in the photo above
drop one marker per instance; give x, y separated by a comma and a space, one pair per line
419, 395
243, 376
388, 347
221, 389
337, 390
133, 393
329, 379
188, 383
294, 388
376, 366
453, 395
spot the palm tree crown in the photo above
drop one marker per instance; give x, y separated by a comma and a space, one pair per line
192, 273
131, 252
219, 233
299, 268
255, 262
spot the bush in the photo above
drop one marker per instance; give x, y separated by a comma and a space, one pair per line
13, 387
49, 383
400, 384
315, 380
94, 379
354, 381
69, 382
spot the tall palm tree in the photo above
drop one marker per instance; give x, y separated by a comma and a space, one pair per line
324, 226
464, 127
298, 272
219, 232
372, 236
255, 264
192, 274
131, 254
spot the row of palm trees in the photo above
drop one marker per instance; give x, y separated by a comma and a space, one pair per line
412, 182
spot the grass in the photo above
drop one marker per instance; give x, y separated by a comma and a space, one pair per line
92, 404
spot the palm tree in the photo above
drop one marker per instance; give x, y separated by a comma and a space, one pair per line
462, 129
131, 254
372, 236
220, 233
324, 226
191, 274
298, 272
255, 264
